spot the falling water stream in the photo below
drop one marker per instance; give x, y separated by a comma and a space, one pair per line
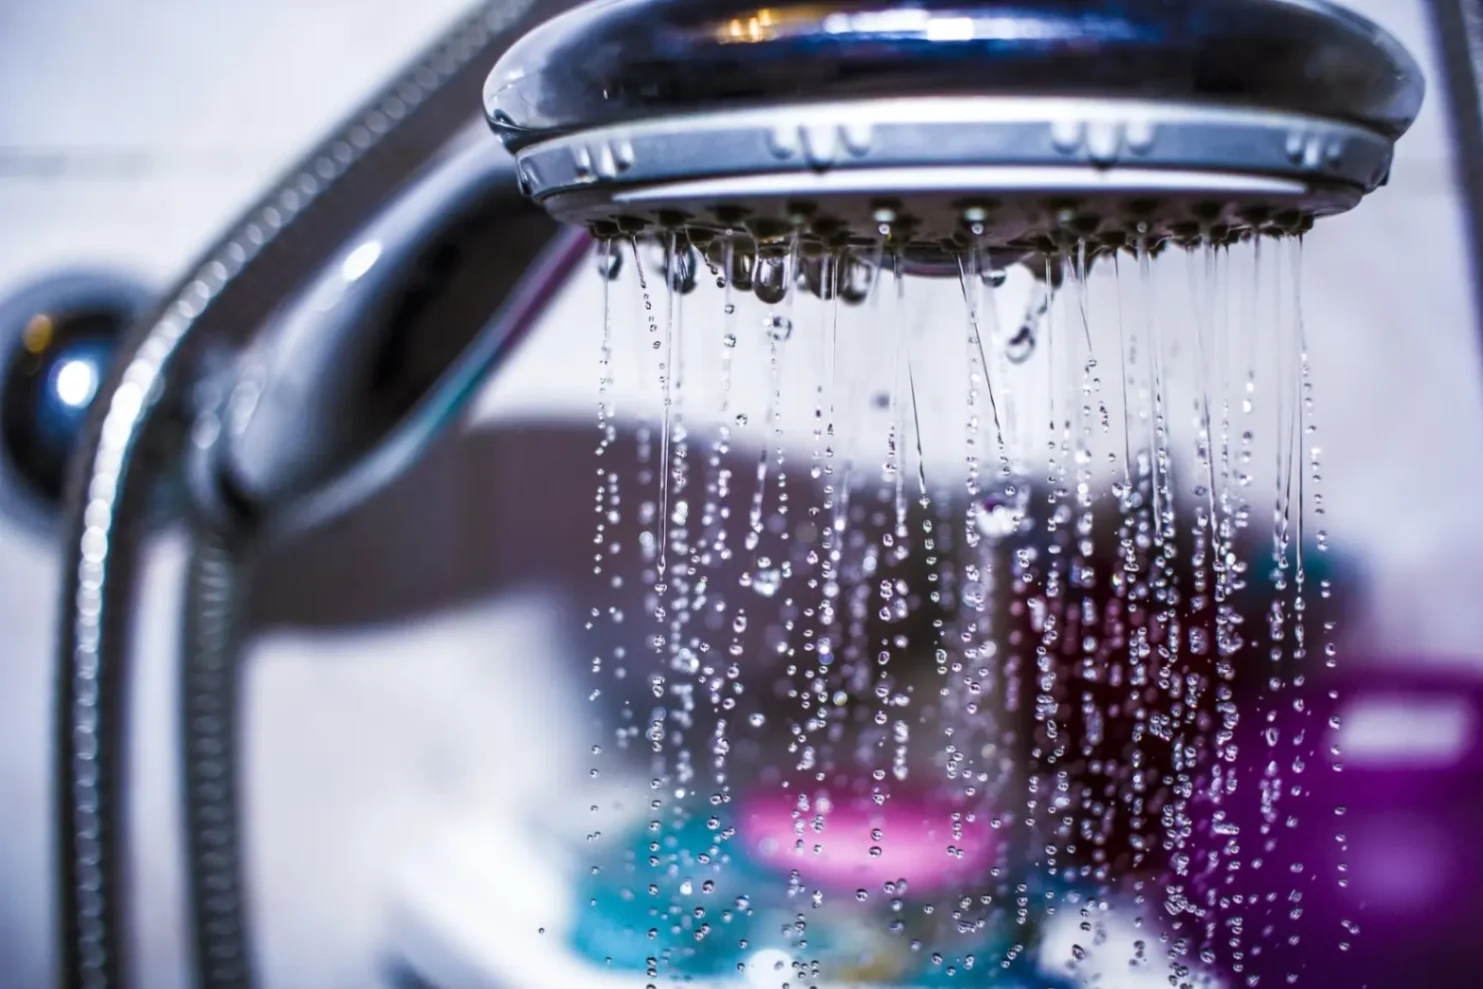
941, 637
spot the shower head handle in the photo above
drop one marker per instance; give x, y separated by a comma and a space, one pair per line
366, 364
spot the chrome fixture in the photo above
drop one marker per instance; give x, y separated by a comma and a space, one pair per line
292, 318
1012, 126
58, 335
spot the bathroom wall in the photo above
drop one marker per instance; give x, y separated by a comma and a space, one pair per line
131, 132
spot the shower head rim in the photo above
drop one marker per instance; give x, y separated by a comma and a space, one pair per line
1044, 165
1067, 206
625, 61
809, 138
1003, 180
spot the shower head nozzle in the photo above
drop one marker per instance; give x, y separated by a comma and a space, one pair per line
941, 125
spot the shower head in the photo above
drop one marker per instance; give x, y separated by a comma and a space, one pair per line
938, 126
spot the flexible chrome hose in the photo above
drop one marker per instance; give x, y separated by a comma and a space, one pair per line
230, 290
208, 700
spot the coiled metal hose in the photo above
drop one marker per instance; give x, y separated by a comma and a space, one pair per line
209, 728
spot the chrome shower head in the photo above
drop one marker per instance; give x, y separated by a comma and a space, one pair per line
938, 126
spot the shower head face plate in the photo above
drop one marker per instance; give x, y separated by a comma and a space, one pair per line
940, 174
947, 123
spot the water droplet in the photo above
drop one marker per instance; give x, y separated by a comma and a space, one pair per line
856, 278
742, 266
994, 277
682, 269
997, 517
609, 261
818, 277
1022, 345
766, 582
778, 327
770, 278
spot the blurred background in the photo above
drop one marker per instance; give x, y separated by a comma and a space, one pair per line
403, 741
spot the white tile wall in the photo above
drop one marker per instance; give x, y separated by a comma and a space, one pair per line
132, 130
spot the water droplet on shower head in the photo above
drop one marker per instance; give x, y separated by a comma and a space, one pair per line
1020, 347
609, 260
770, 278
856, 278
